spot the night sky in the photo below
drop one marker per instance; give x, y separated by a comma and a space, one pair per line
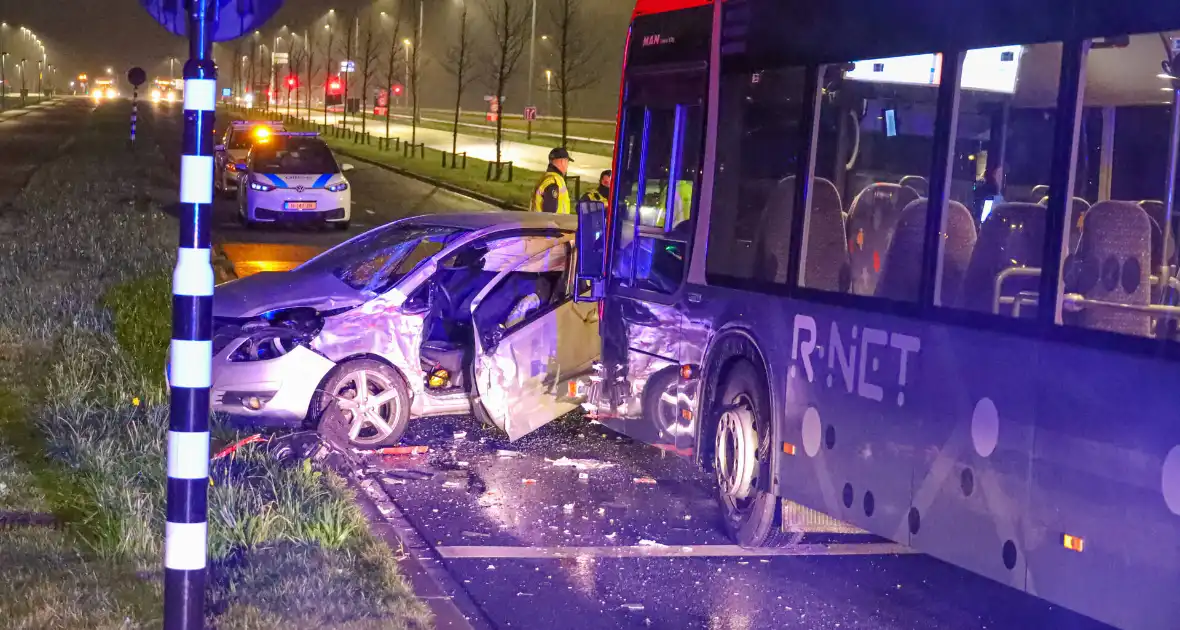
91, 35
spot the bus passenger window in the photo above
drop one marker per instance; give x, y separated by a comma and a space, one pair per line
993, 233
758, 144
1119, 269
873, 157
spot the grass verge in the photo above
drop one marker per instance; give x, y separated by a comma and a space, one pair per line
83, 422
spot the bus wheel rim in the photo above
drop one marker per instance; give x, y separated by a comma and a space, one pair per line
737, 450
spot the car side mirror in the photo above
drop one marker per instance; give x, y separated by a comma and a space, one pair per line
591, 239
344, 168
219, 148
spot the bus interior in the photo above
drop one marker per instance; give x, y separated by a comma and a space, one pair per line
875, 147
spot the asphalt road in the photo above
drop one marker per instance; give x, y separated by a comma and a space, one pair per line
538, 541
533, 540
33, 135
378, 197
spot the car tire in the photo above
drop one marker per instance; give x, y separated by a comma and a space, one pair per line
743, 442
333, 410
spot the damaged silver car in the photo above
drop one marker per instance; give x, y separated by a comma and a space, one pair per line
428, 316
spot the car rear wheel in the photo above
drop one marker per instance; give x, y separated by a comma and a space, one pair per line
363, 404
743, 443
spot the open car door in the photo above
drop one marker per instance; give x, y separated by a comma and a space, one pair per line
527, 355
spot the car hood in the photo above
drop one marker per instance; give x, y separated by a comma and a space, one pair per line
263, 292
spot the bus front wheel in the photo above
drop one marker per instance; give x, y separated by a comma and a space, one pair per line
743, 439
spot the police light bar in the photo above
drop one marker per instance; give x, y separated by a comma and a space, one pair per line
255, 123
300, 134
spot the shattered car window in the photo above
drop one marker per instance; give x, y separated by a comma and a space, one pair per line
377, 260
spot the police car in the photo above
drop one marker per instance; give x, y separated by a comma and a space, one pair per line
229, 157
293, 177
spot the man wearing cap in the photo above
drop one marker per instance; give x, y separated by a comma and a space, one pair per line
602, 194
551, 194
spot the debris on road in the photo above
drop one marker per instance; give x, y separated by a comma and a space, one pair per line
395, 450
459, 435
239, 444
584, 476
632, 607
651, 543
476, 534
580, 464
568, 507
529, 482
503, 454
645, 481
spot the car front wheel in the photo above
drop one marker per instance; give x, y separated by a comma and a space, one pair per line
363, 404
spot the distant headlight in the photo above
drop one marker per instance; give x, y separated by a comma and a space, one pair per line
156, 95
257, 185
340, 187
110, 93
171, 97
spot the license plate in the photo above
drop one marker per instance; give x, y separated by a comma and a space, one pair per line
299, 205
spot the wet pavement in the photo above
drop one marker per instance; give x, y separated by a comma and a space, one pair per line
33, 135
576, 526
378, 197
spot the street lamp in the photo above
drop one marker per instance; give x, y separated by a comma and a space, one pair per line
548, 92
532, 55
407, 43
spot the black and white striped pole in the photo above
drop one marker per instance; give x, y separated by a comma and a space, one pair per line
136, 76
191, 352
190, 363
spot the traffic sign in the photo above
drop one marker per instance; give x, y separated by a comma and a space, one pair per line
347, 66
530, 113
236, 17
280, 58
136, 76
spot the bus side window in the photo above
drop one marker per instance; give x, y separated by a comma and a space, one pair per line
994, 219
759, 141
876, 128
1119, 270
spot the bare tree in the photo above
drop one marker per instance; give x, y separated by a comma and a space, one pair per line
390, 73
294, 60
460, 63
347, 49
508, 21
328, 70
309, 65
578, 54
370, 52
415, 75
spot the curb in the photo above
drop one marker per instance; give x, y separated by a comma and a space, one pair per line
422, 568
499, 203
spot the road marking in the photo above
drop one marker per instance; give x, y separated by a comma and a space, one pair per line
671, 551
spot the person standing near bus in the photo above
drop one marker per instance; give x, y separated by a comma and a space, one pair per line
602, 193
551, 194
681, 202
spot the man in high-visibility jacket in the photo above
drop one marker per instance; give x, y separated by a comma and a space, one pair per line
551, 194
602, 193
681, 203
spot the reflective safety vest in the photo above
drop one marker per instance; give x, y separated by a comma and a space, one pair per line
594, 196
681, 204
563, 193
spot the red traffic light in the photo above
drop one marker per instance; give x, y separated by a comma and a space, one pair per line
292, 82
397, 90
334, 85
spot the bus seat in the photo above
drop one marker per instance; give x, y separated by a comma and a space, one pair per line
1112, 265
871, 221
826, 261
901, 277
918, 183
1012, 237
1163, 243
1077, 213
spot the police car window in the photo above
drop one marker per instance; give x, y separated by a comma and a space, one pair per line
294, 156
239, 139
378, 259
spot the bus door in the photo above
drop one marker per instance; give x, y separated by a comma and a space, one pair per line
656, 188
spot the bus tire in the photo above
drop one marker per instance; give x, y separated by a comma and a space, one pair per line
743, 439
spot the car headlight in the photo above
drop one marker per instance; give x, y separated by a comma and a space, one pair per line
257, 185
156, 95
340, 187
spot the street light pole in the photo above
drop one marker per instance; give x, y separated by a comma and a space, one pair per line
532, 54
